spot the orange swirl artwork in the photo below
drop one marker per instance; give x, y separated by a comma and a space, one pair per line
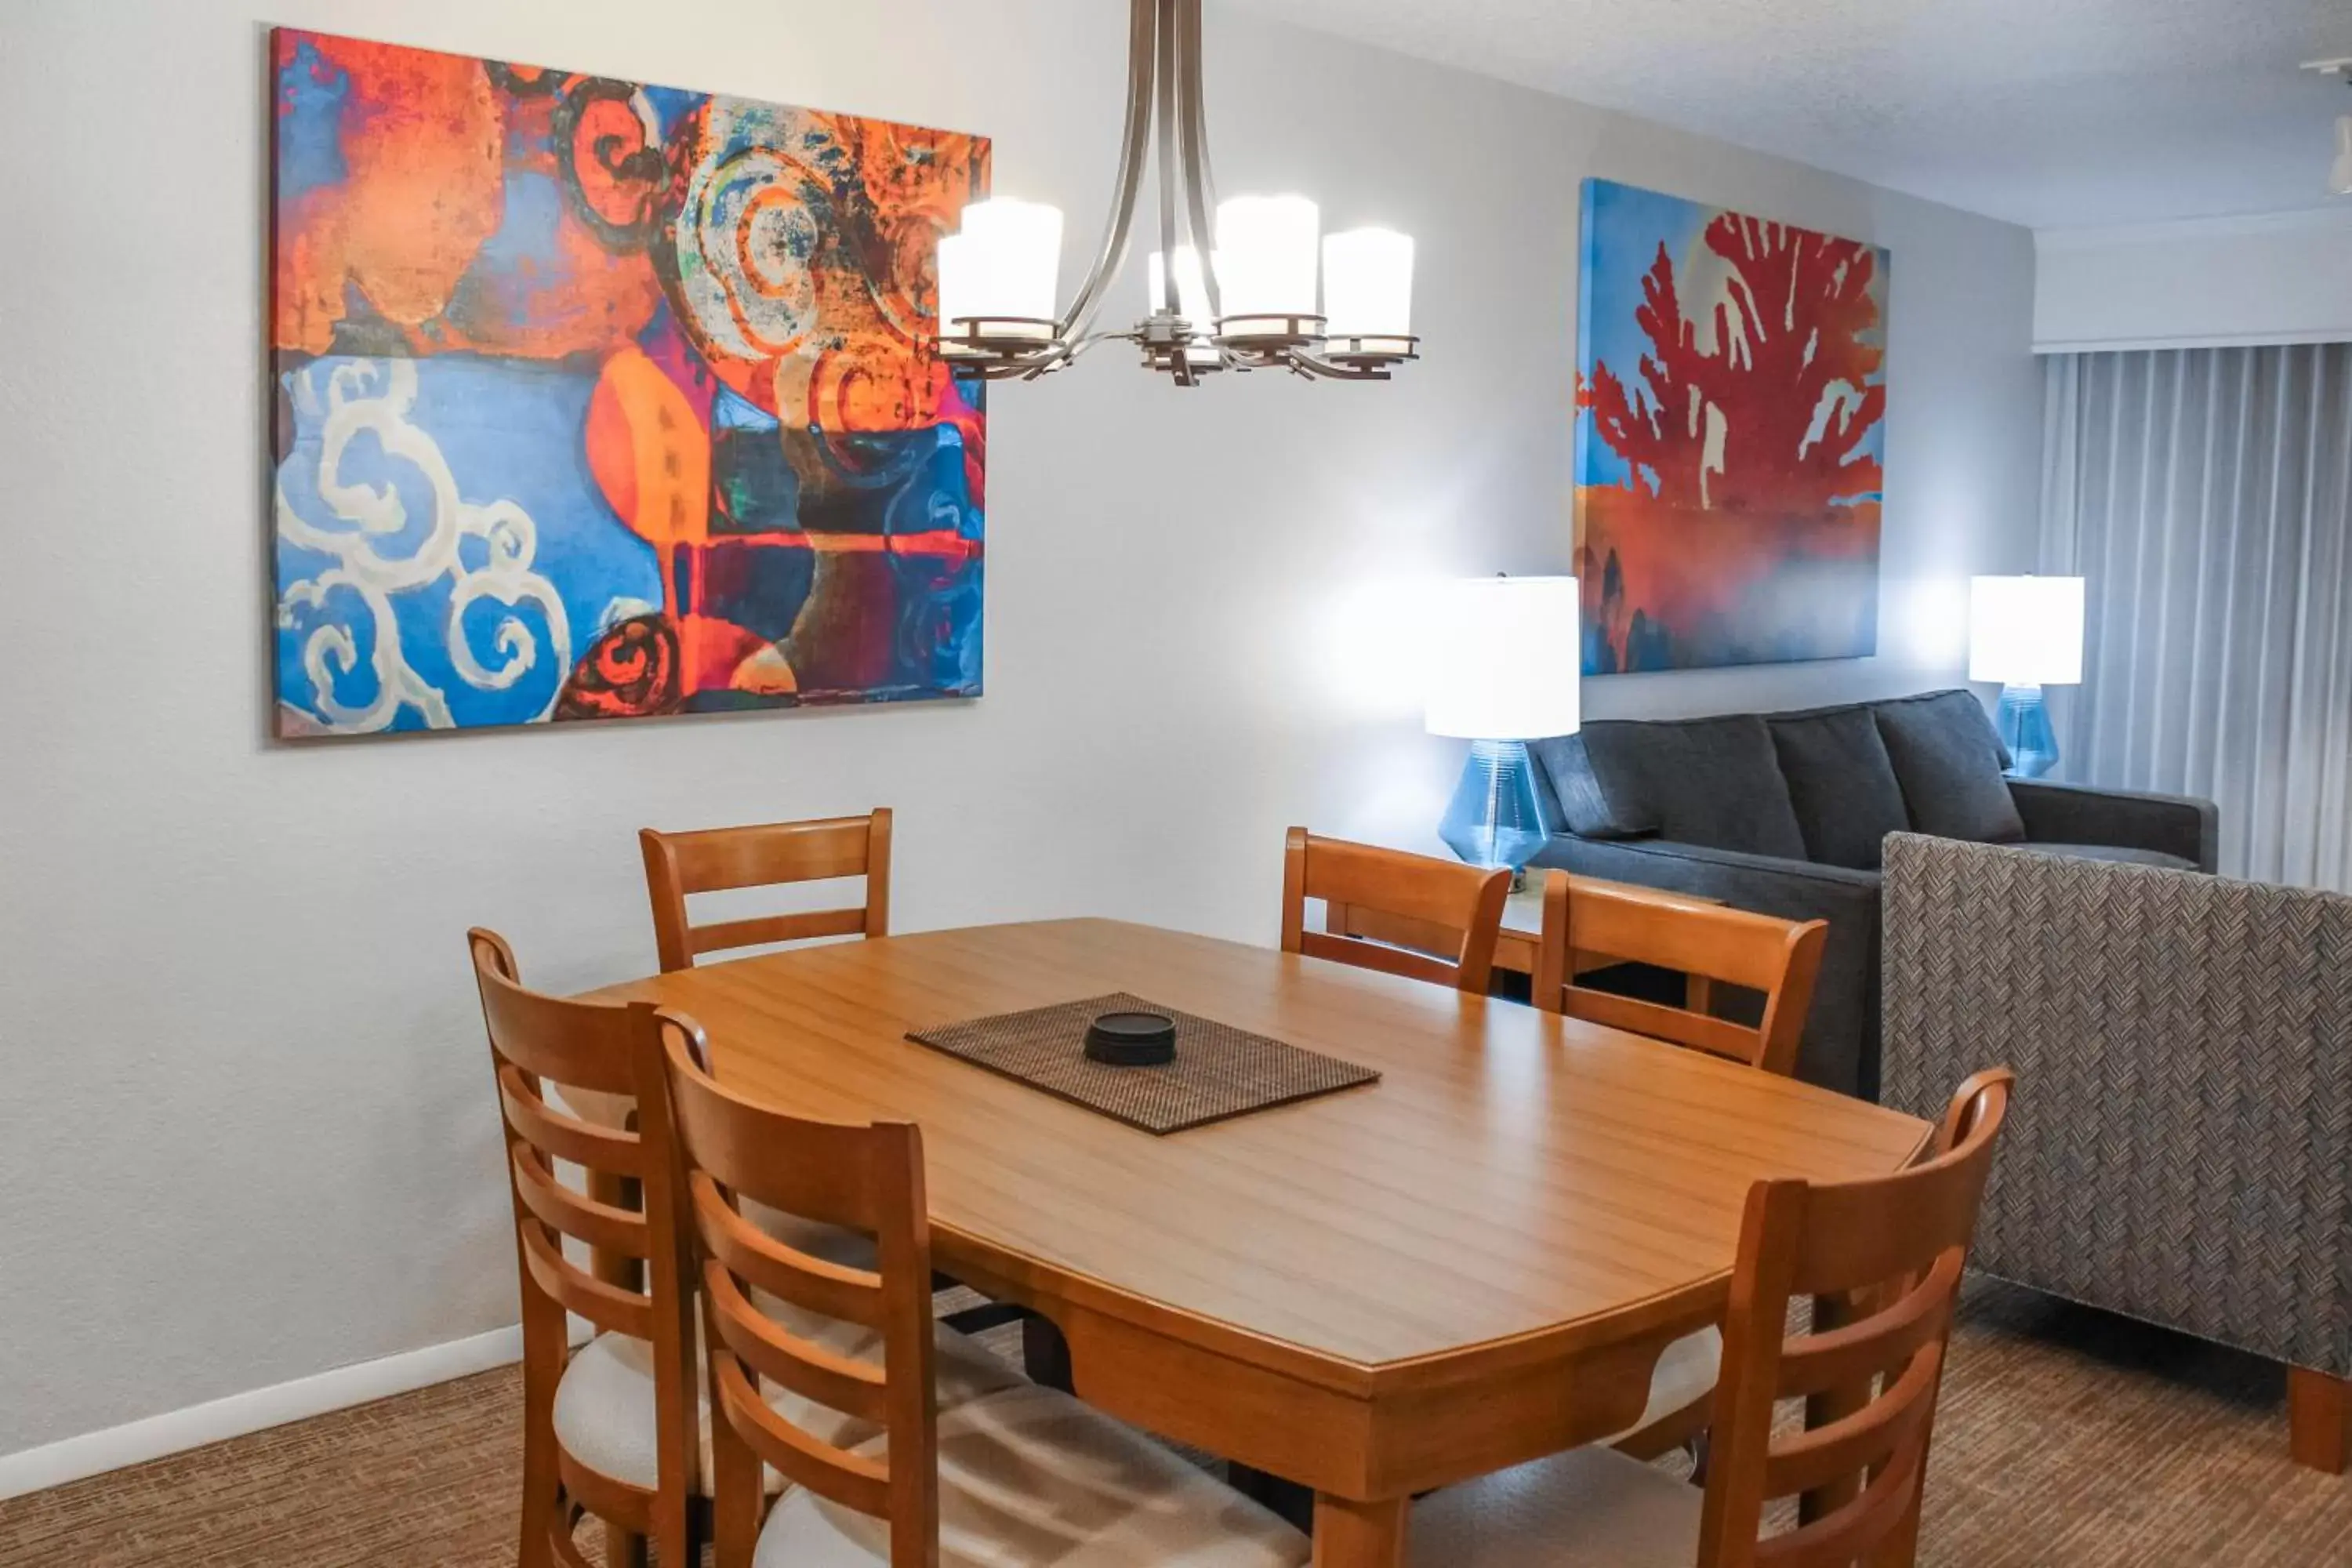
602, 400
1730, 437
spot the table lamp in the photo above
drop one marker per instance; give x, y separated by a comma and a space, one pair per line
2026, 633
1504, 659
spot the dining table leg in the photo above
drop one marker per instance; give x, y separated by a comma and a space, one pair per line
1350, 1534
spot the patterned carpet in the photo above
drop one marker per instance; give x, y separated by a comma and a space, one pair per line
2067, 1440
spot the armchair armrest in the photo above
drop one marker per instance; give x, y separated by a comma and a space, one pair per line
2078, 814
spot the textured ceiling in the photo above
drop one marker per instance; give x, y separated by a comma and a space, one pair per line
2047, 113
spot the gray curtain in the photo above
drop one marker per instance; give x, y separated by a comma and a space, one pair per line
2205, 495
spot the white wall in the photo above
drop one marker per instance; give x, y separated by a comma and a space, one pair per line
245, 1132
2282, 278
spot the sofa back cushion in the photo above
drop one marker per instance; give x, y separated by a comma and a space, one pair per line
1841, 783
1949, 760
1711, 782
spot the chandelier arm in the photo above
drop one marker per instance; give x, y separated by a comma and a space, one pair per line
1193, 134
1119, 230
1315, 365
1166, 131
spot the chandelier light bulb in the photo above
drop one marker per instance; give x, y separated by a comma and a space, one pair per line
1368, 291
2339, 179
1266, 263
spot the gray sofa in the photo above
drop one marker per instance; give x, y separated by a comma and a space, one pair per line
1785, 814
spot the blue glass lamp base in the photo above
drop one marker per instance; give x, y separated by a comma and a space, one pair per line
1495, 818
2024, 726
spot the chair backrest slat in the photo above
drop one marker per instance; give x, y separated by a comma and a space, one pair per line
561, 1134
760, 931
1760, 952
726, 1152
1716, 1037
1440, 899
620, 1231
1830, 1359
718, 859
1883, 1258
852, 1480
810, 1370
813, 1284
610, 1307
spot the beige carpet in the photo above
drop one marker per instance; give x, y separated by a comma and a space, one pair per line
2067, 1440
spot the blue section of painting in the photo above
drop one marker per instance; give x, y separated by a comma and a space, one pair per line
311, 95
479, 467
1623, 227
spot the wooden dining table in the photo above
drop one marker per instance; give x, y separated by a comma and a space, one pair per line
1470, 1263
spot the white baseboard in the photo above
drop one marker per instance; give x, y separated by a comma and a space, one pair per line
135, 1442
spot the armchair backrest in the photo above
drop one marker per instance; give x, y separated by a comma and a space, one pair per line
2186, 1154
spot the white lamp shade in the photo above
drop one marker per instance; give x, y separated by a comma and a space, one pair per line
1367, 284
1504, 659
1006, 262
2026, 631
1266, 256
2339, 178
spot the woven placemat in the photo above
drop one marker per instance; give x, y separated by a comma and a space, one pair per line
1219, 1072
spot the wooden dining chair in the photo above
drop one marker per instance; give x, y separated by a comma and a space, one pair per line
611, 1429
1882, 1260
679, 865
885, 1463
1460, 906
1703, 942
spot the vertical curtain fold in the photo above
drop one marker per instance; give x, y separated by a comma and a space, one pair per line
2205, 495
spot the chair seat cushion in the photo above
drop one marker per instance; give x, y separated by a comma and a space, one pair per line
1589, 1508
2124, 853
1031, 1475
1687, 1371
604, 1402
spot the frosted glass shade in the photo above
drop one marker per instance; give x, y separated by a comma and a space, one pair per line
2339, 178
2026, 631
1503, 658
1266, 256
1368, 288
1006, 262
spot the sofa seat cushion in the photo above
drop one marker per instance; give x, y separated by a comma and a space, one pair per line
1842, 784
1711, 782
1950, 763
2124, 853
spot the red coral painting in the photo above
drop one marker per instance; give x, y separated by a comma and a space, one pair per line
1730, 433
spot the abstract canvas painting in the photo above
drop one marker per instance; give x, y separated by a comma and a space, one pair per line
597, 400
1730, 432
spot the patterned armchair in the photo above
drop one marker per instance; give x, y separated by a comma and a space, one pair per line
2180, 1149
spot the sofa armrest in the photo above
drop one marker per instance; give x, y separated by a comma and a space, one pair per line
2078, 814
1840, 1050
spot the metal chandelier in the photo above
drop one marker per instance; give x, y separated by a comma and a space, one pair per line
1253, 307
